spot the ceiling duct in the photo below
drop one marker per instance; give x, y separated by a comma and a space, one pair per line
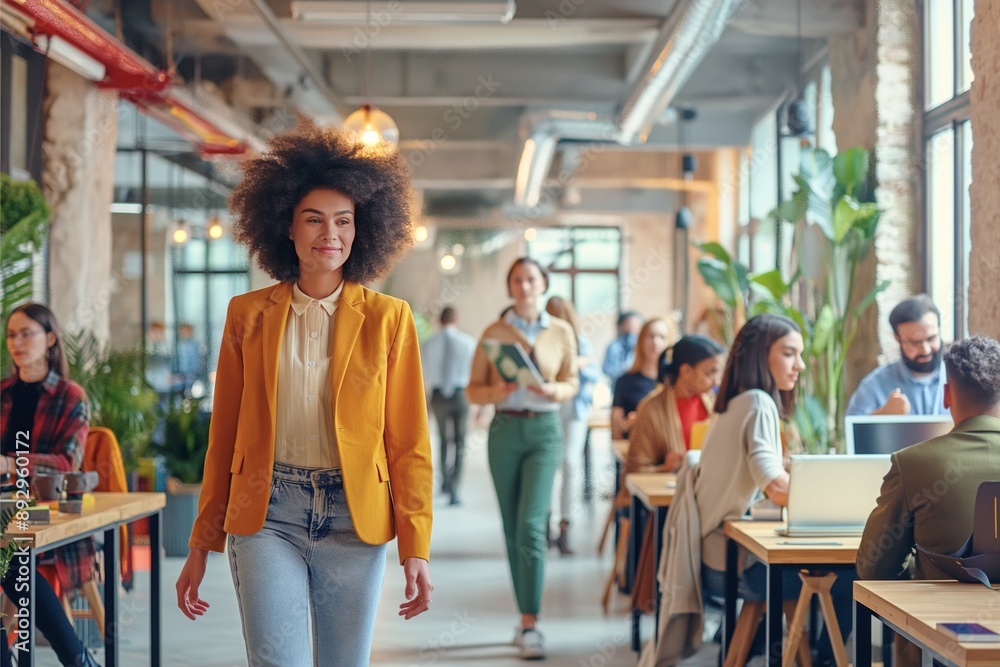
543, 131
690, 31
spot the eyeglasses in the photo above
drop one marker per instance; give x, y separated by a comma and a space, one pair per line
23, 334
930, 341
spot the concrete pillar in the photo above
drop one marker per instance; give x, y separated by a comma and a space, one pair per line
81, 130
876, 75
984, 269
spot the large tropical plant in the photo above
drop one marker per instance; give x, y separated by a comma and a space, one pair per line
835, 218
120, 398
24, 219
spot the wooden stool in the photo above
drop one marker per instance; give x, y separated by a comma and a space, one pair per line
815, 584
617, 568
92, 594
746, 628
607, 528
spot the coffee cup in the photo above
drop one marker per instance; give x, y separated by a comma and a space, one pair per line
81, 482
47, 486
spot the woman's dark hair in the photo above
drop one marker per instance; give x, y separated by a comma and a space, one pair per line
311, 158
747, 367
54, 355
973, 367
690, 350
533, 262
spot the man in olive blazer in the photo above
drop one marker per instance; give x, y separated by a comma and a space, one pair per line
380, 420
929, 494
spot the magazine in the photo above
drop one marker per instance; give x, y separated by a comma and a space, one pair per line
513, 363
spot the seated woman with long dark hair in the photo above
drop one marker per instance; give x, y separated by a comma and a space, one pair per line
44, 417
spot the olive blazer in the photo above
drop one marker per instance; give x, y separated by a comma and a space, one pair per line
380, 420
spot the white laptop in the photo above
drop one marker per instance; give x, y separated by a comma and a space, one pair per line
886, 434
833, 495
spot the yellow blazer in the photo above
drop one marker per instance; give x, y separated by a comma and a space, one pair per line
379, 415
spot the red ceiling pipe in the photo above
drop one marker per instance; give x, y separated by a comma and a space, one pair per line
124, 69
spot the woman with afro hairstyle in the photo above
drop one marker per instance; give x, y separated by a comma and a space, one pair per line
318, 451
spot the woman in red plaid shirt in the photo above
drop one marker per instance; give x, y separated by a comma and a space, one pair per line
44, 424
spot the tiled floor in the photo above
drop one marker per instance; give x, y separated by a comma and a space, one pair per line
473, 617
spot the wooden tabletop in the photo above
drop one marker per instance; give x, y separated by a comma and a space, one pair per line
654, 489
916, 607
599, 419
620, 449
760, 539
109, 509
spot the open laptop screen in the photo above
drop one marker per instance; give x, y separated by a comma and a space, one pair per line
886, 434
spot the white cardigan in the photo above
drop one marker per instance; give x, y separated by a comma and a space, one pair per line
741, 453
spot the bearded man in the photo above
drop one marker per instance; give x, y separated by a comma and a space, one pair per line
914, 383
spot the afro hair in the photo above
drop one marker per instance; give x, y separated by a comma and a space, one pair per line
310, 158
974, 365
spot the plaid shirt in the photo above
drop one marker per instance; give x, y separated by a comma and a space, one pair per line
56, 445
60, 430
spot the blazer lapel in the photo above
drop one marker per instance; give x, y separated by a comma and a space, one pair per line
275, 315
350, 317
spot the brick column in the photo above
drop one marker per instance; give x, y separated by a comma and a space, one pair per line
876, 74
984, 269
81, 130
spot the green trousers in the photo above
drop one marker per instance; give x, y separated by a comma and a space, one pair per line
524, 454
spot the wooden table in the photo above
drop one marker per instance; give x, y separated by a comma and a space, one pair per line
599, 419
778, 554
619, 448
110, 511
914, 608
651, 492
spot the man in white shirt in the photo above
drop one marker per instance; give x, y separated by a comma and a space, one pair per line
447, 363
914, 383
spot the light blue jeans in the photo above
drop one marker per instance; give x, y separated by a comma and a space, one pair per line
307, 562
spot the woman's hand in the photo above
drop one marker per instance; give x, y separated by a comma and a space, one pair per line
777, 490
187, 584
546, 389
673, 462
418, 587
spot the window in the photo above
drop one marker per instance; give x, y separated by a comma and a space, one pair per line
947, 160
583, 265
20, 108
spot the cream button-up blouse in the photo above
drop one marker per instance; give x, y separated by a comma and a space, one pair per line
304, 434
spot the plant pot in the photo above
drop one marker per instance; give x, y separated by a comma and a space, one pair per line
179, 516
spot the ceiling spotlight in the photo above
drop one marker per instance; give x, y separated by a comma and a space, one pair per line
797, 119
530, 234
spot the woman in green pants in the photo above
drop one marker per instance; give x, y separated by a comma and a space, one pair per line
525, 439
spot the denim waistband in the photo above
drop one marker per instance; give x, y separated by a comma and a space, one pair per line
308, 476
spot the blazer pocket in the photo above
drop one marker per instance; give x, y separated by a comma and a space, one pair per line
382, 465
237, 467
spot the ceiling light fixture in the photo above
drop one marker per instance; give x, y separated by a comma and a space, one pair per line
370, 125
348, 11
683, 220
797, 118
215, 229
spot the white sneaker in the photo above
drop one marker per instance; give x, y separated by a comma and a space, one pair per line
532, 646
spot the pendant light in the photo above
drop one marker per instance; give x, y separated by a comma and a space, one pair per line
370, 125
797, 113
683, 221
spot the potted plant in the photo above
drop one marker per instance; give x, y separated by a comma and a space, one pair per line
24, 219
184, 445
119, 396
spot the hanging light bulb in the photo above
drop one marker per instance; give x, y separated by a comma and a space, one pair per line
421, 233
181, 233
372, 126
448, 262
369, 125
215, 228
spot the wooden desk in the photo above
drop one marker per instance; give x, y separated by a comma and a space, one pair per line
651, 492
778, 554
110, 511
914, 608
